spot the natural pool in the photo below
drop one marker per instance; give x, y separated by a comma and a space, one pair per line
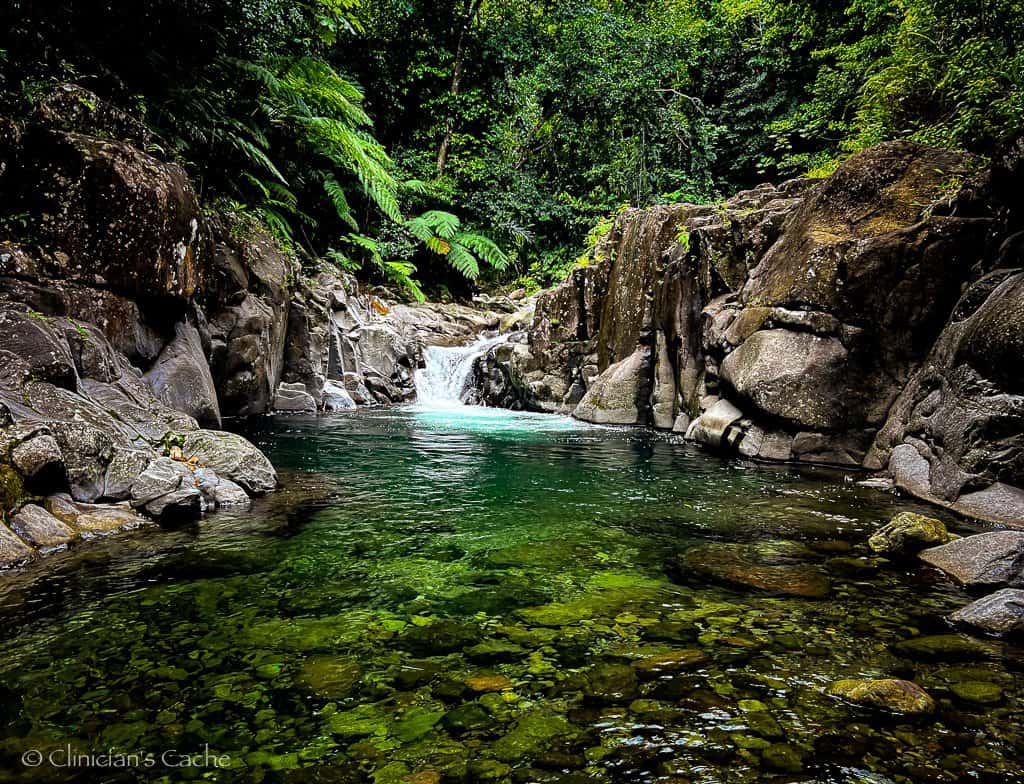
469, 595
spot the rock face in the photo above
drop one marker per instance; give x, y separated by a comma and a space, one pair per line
869, 319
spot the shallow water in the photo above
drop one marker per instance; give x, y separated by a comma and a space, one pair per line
461, 594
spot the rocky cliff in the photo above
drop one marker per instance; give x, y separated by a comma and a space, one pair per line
870, 319
132, 320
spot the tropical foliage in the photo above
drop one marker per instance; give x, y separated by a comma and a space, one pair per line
360, 129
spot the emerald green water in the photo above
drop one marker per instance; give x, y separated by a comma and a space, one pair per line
468, 595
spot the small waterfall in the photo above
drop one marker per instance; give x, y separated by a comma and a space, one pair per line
445, 372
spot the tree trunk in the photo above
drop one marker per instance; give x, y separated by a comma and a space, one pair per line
460, 60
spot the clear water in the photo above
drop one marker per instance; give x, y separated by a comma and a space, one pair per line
467, 595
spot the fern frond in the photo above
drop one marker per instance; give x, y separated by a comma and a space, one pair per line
445, 224
484, 248
463, 261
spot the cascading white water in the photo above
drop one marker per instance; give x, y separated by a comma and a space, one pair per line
445, 372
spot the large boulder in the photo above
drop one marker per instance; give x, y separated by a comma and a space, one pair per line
247, 306
956, 434
110, 211
989, 560
181, 378
232, 457
616, 396
794, 376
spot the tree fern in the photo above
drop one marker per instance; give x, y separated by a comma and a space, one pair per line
441, 232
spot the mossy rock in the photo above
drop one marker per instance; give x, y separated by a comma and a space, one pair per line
531, 735
330, 677
977, 692
415, 724
783, 757
886, 694
12, 488
908, 533
780, 567
944, 647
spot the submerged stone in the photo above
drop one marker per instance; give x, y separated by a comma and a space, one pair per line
783, 757
887, 694
978, 692
945, 647
611, 682
776, 567
483, 684
670, 662
468, 717
530, 735
415, 724
330, 677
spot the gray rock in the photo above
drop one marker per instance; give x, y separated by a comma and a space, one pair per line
39, 458
232, 457
87, 451
167, 490
13, 551
124, 468
613, 397
38, 340
293, 398
337, 398
218, 491
795, 376
994, 559
712, 428
40, 528
999, 613
181, 378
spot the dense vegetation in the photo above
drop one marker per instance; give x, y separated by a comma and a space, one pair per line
454, 135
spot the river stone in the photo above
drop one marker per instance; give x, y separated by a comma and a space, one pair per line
887, 694
124, 468
993, 559
294, 399
908, 533
13, 551
468, 717
530, 735
978, 692
232, 457
672, 661
39, 459
40, 528
62, 507
166, 490
330, 677
999, 613
106, 518
711, 427
611, 683
776, 567
484, 684
941, 647
336, 397
218, 491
